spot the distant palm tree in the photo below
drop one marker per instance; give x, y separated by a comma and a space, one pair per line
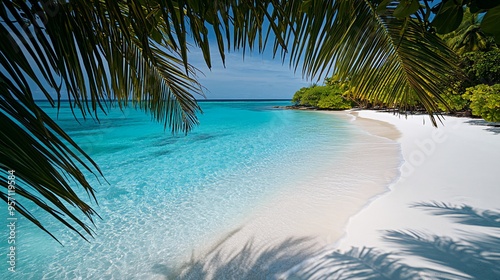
97, 53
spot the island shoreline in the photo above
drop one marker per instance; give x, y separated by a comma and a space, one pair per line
448, 168
321, 212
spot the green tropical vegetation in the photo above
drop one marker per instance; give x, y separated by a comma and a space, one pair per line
97, 54
323, 97
479, 92
475, 93
482, 67
468, 37
484, 101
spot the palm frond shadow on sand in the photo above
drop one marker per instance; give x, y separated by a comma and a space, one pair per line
489, 126
475, 256
253, 261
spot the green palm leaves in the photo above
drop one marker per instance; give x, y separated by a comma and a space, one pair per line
92, 53
468, 37
98, 53
386, 59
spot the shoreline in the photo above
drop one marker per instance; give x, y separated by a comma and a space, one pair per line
296, 225
447, 192
449, 167
423, 145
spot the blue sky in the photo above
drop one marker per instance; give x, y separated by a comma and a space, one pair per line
256, 76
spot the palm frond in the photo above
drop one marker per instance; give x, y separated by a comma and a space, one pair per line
389, 60
107, 52
235, 24
96, 53
45, 166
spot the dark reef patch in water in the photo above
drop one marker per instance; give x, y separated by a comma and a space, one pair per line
165, 141
203, 137
162, 153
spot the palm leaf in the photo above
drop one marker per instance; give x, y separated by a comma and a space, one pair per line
95, 54
388, 60
468, 36
66, 42
151, 74
135, 53
31, 144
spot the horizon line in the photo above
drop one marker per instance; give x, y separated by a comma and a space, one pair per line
205, 100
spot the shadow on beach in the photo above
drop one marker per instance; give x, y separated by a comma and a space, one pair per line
250, 262
475, 255
489, 126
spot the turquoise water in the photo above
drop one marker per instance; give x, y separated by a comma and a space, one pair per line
167, 195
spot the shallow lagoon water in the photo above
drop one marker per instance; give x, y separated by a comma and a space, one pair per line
167, 194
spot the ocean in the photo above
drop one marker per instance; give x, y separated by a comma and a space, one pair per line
167, 194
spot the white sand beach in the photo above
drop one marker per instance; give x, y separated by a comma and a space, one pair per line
455, 170
456, 163
293, 236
